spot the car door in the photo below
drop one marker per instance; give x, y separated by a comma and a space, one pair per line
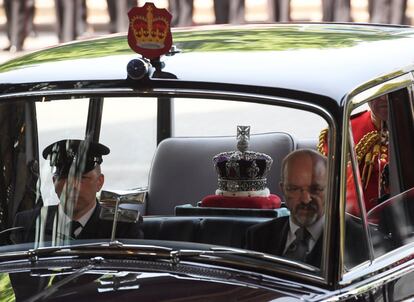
384, 269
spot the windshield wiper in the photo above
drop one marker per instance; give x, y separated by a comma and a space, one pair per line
152, 250
177, 255
140, 250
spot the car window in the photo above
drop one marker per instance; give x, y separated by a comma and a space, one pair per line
217, 181
57, 120
129, 127
386, 192
394, 215
218, 117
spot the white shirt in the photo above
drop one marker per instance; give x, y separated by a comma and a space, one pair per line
315, 230
83, 220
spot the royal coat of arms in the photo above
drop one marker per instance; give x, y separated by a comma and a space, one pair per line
149, 31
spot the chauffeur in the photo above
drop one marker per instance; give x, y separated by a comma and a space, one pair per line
369, 129
78, 210
78, 206
298, 236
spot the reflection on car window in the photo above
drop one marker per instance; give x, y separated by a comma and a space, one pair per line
55, 121
219, 117
395, 219
129, 128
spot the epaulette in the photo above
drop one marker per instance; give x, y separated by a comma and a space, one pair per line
322, 141
366, 143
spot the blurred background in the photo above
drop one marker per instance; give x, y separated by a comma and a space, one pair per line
27, 25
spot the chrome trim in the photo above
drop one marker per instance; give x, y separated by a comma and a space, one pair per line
217, 94
379, 81
386, 87
360, 194
395, 258
376, 281
63, 92
411, 91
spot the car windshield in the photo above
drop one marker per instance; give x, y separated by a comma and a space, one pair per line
113, 168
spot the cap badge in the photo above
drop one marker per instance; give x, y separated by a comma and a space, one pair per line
149, 31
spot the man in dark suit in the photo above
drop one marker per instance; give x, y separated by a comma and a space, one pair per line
229, 11
118, 10
336, 10
279, 10
77, 178
181, 11
388, 11
19, 15
70, 19
298, 236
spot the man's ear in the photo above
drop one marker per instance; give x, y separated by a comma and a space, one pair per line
101, 180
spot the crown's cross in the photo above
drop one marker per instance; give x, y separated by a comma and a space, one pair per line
243, 137
149, 18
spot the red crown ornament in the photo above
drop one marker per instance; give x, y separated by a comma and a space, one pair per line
149, 31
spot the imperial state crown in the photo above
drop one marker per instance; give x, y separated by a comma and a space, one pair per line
241, 170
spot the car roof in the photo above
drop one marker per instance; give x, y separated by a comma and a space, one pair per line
319, 58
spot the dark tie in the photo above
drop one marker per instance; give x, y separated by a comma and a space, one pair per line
74, 226
298, 249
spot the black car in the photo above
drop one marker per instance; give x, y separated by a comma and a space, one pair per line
297, 86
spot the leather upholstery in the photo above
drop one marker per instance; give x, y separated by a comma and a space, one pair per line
227, 231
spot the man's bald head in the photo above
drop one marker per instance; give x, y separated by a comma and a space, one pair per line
303, 182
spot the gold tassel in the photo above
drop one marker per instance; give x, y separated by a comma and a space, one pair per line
375, 153
366, 164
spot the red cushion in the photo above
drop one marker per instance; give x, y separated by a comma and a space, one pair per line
219, 201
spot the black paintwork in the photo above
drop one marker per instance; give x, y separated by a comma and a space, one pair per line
294, 57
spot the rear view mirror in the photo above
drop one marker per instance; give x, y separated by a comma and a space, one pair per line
122, 205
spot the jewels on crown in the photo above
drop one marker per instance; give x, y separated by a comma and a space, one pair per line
242, 170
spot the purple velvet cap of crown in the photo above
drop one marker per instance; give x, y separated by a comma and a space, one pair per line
242, 171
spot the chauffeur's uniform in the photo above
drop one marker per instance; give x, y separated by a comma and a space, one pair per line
65, 157
95, 228
371, 146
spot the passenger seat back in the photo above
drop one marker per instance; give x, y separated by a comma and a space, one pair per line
182, 170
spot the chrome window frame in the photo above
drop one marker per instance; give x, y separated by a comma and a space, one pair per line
352, 101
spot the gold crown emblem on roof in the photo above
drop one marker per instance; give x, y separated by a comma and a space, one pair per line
150, 30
